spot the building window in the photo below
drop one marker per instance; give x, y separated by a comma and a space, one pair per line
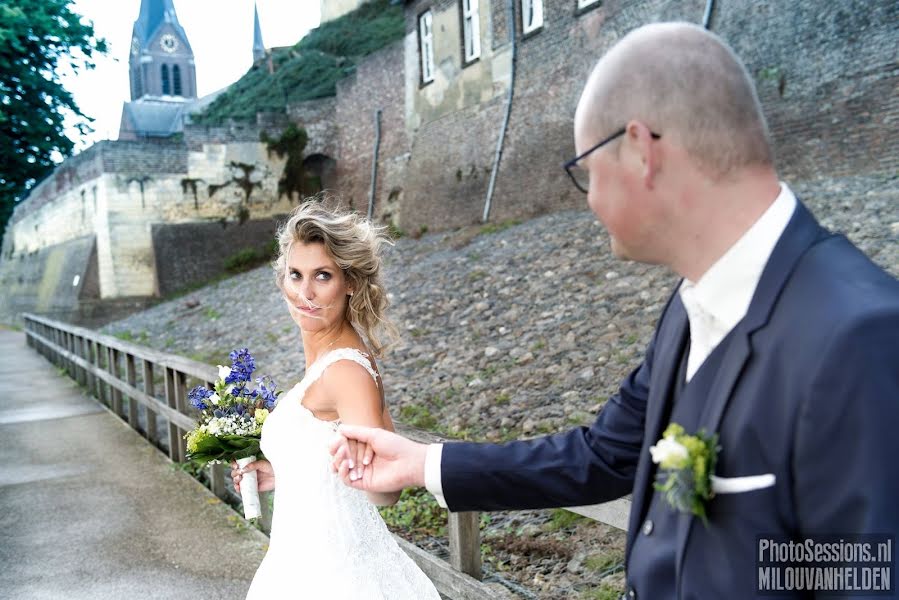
176, 80
166, 85
471, 33
426, 46
531, 15
585, 4
138, 87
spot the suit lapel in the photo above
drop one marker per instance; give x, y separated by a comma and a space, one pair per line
669, 347
801, 233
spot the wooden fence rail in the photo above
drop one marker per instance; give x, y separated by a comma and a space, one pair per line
152, 398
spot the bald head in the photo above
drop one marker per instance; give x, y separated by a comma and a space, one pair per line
686, 84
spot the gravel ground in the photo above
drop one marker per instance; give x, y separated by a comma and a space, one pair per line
507, 331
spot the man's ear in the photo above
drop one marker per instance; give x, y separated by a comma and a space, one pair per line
640, 137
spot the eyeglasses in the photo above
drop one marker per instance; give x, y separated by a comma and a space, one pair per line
581, 177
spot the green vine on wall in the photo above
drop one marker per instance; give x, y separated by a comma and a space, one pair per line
291, 144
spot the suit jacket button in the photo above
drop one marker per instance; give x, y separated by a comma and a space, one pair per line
647, 527
632, 594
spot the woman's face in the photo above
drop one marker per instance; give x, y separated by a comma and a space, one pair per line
315, 288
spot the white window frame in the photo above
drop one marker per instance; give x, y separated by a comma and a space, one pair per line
471, 31
426, 45
582, 4
535, 9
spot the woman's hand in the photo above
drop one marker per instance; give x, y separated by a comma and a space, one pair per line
265, 475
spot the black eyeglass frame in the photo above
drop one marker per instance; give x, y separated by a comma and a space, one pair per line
568, 166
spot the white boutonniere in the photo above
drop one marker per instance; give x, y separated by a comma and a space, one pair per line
686, 463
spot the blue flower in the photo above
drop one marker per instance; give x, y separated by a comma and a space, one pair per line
242, 366
266, 391
198, 396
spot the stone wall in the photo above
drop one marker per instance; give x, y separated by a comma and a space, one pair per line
121, 196
376, 85
188, 253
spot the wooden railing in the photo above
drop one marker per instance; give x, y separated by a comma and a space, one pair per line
148, 390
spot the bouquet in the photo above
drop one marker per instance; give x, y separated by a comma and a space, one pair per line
230, 424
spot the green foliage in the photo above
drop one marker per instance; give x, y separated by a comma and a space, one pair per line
35, 36
416, 513
311, 68
291, 144
246, 259
605, 591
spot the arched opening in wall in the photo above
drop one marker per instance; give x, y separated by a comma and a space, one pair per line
166, 84
176, 80
320, 173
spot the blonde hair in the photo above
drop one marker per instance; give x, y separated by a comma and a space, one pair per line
354, 243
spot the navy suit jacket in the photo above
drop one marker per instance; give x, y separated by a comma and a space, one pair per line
808, 390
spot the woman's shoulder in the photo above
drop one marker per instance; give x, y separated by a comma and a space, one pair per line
349, 366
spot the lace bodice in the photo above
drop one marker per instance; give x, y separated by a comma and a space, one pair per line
327, 540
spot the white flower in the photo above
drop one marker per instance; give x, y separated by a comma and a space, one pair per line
668, 453
224, 372
214, 427
214, 398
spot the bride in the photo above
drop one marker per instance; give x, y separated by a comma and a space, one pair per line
328, 540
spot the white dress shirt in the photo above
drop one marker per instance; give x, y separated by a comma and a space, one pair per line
714, 304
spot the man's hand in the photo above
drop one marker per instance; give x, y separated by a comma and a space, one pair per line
393, 462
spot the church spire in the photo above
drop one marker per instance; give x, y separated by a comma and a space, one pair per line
258, 46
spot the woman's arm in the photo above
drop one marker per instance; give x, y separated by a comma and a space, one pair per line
357, 397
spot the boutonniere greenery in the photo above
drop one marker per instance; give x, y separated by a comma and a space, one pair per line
686, 463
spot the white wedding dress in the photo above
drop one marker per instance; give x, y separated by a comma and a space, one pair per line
327, 540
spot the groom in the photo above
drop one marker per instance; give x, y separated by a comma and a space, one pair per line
782, 338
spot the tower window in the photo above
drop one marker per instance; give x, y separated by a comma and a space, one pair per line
166, 84
426, 43
176, 80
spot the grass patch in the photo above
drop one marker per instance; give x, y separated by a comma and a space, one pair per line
141, 337
418, 416
562, 519
491, 228
603, 592
416, 514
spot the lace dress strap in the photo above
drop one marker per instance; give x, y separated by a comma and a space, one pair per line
357, 356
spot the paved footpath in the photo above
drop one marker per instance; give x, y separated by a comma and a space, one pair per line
89, 509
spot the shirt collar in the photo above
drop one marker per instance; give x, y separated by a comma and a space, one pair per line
726, 289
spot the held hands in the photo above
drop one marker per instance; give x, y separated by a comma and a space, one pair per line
376, 460
265, 475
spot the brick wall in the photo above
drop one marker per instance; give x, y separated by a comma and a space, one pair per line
376, 84
826, 74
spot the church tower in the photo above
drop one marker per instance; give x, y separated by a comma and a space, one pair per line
162, 62
258, 46
162, 73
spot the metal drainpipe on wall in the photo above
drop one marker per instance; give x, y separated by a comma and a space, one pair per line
374, 165
510, 19
707, 17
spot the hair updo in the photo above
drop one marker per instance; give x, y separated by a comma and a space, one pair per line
354, 243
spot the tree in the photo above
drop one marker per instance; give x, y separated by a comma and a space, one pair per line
35, 35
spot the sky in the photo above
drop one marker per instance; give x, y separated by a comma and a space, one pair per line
220, 33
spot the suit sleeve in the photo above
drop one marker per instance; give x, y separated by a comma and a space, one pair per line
847, 442
582, 466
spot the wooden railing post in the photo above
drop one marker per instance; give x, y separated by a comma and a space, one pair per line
113, 368
148, 412
174, 380
131, 378
463, 530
